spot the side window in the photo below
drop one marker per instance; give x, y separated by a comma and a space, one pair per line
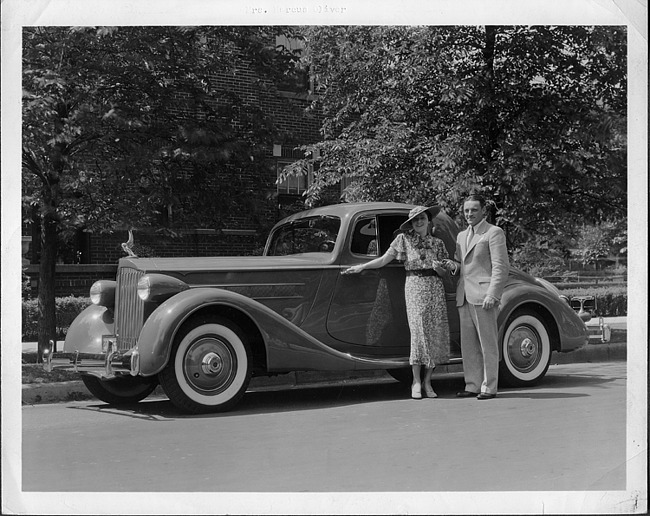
364, 237
388, 229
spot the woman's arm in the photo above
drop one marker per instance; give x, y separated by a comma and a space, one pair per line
377, 263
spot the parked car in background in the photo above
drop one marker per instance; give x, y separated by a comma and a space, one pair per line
587, 308
202, 327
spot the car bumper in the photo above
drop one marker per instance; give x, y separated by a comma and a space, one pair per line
103, 365
599, 331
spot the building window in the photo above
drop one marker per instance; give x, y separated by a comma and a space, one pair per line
293, 185
345, 182
299, 80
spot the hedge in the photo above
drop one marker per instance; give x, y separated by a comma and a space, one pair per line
611, 301
67, 308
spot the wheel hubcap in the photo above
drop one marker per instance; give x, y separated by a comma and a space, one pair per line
210, 365
528, 348
524, 349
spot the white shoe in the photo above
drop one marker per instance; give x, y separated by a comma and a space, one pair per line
416, 392
430, 393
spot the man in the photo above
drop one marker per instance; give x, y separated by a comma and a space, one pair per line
481, 258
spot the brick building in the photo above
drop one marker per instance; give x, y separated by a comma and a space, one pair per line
90, 256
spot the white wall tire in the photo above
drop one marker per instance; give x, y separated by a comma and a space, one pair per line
526, 350
209, 368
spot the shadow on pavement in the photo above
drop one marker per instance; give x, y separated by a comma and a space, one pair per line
270, 401
554, 386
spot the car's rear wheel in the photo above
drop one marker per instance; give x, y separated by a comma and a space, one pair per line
526, 348
124, 389
209, 368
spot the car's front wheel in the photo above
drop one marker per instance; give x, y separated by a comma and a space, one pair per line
209, 368
526, 349
125, 389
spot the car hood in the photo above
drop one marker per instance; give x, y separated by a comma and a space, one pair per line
229, 263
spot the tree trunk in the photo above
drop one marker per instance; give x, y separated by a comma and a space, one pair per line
46, 293
490, 115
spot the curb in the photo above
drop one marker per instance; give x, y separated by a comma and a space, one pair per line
35, 393
40, 393
616, 351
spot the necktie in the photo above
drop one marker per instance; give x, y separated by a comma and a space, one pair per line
470, 235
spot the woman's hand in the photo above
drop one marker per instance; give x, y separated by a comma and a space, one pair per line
355, 269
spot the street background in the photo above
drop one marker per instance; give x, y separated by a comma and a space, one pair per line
567, 434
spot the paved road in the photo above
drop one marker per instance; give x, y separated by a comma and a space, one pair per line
568, 434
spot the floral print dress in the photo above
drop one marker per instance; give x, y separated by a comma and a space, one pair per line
426, 306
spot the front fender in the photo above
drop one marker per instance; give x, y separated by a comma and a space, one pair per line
85, 332
288, 347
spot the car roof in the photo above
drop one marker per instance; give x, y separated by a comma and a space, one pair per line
344, 209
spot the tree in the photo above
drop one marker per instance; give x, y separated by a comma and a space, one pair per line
119, 123
600, 241
534, 117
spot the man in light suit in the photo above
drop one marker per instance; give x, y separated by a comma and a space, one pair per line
482, 260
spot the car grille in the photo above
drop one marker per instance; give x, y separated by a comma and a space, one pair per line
129, 311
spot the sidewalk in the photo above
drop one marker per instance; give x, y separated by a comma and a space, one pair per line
74, 391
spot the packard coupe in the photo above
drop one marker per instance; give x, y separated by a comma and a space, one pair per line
202, 327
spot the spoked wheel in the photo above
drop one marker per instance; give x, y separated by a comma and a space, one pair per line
124, 389
526, 350
209, 368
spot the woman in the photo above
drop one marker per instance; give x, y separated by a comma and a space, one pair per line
426, 309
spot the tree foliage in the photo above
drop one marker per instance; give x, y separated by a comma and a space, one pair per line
534, 117
121, 123
599, 241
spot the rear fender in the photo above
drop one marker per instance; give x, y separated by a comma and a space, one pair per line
85, 332
287, 346
567, 328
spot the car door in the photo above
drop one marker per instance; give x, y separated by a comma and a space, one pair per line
368, 309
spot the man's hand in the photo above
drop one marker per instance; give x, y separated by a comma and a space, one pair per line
439, 267
450, 265
490, 302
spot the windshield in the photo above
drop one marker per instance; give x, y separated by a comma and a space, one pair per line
308, 235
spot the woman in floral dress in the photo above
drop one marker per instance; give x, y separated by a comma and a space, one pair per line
424, 291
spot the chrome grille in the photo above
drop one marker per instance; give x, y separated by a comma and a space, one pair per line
129, 311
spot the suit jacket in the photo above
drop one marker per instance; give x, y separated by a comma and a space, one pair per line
484, 266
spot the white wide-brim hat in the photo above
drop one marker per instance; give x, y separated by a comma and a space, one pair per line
433, 211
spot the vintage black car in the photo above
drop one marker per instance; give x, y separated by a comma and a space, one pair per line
202, 327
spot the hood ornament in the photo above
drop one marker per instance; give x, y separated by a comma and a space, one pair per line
127, 246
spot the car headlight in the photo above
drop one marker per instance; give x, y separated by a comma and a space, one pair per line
156, 288
102, 293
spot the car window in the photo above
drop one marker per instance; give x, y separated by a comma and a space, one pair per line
308, 235
364, 237
373, 234
388, 226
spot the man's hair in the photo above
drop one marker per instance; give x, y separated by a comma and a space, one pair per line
475, 197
